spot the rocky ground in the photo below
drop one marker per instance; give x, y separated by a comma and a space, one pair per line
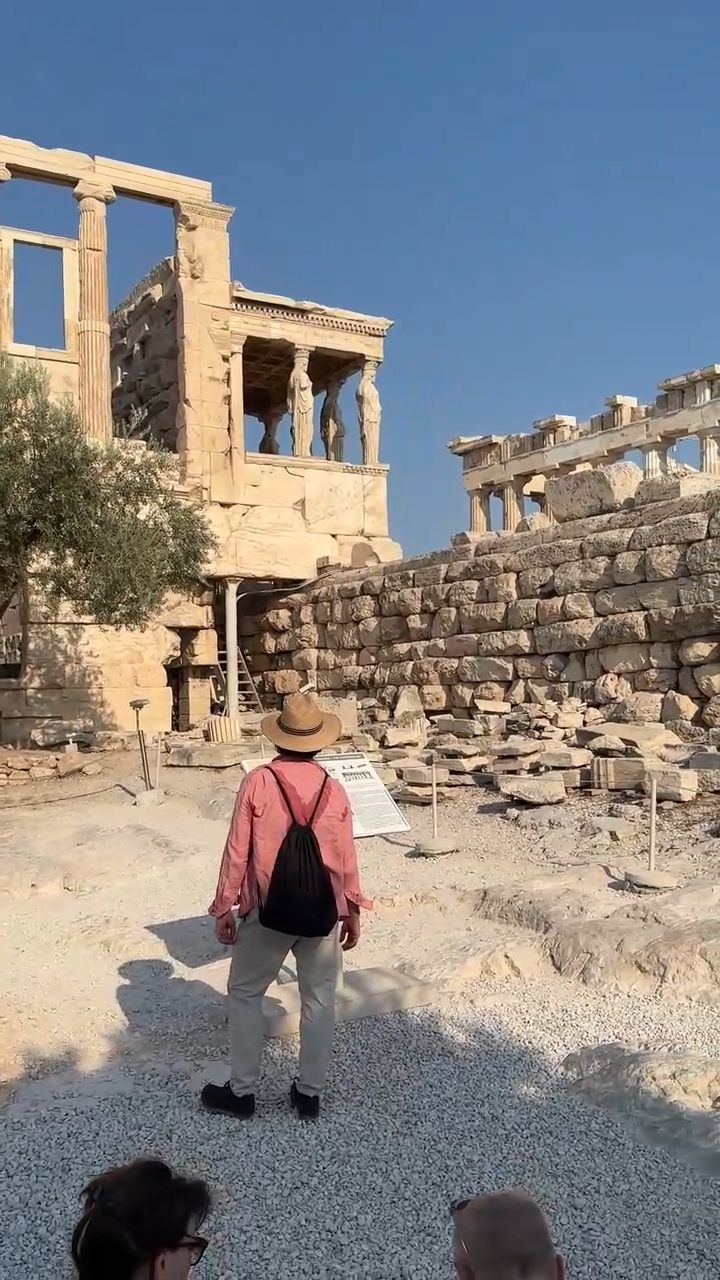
114, 1014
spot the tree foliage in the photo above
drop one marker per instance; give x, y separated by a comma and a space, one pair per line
99, 527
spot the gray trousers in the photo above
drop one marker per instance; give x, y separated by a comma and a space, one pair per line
258, 956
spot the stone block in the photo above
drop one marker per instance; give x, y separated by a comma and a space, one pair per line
478, 618
629, 567
446, 622
672, 485
663, 563
694, 652
584, 575
363, 993
707, 679
686, 682
704, 557
434, 697
419, 775
673, 783
566, 758
578, 604
564, 637
208, 755
676, 706
506, 643
552, 609
655, 681
624, 658
554, 552
639, 708
466, 592
491, 706
334, 502
647, 737
620, 628
589, 493
607, 542
461, 646
610, 688
711, 713
536, 582
611, 774
400, 603
523, 613
473, 670
685, 528
502, 587
534, 791
685, 621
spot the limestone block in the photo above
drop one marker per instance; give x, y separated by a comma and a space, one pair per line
676, 706
305, 660
400, 603
360, 608
607, 542
505, 643
419, 626
686, 682
446, 622
694, 652
392, 629
648, 737
436, 596
431, 575
577, 604
707, 679
566, 758
375, 506
478, 618
621, 628
711, 713
517, 692
369, 633
655, 681
467, 592
546, 691
434, 697
639, 708
611, 688
584, 575
552, 610
365, 993
629, 567
489, 566
623, 658
674, 484
588, 493
554, 665
421, 775
473, 670
536, 582
673, 783
663, 655
608, 774
179, 611
288, 681
574, 669
489, 698
502, 587
564, 637
202, 651
259, 485
686, 528
530, 667
555, 551
665, 562
535, 791
460, 646
523, 613
685, 621
642, 595
334, 502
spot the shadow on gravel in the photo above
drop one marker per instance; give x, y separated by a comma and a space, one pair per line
422, 1107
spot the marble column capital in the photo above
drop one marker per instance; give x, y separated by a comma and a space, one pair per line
98, 192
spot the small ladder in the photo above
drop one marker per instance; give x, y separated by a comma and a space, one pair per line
248, 696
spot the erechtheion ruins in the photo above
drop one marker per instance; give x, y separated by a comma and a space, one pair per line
190, 359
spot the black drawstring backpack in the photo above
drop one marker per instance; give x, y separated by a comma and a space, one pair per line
301, 900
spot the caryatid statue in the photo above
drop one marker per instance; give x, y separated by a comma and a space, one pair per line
369, 413
271, 420
300, 404
332, 428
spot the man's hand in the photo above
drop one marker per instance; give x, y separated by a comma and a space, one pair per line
350, 931
226, 929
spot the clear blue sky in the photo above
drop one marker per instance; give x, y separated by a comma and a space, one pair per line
531, 191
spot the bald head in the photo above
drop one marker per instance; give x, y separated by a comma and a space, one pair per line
505, 1236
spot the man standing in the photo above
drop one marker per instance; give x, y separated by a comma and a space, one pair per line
291, 869
504, 1236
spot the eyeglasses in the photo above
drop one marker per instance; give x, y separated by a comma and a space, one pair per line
197, 1246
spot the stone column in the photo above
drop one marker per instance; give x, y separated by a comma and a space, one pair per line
237, 401
300, 404
480, 521
369, 413
94, 316
512, 505
655, 460
232, 700
710, 453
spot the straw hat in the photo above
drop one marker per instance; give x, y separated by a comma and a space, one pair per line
301, 725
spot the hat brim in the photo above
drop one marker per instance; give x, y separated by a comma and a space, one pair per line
328, 732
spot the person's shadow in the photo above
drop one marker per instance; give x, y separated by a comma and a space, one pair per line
163, 1010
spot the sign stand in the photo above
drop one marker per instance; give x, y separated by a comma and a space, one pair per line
435, 846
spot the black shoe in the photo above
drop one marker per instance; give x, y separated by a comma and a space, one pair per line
220, 1097
306, 1105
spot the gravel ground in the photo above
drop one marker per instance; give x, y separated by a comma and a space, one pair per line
115, 1016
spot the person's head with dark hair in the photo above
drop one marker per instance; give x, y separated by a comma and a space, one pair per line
140, 1222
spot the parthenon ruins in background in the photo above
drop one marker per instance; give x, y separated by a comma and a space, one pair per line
189, 359
513, 467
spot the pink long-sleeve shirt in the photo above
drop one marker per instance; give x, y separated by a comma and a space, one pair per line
260, 823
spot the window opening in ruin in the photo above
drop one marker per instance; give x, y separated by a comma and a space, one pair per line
38, 319
175, 681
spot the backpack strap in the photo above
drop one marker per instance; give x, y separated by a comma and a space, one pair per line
286, 798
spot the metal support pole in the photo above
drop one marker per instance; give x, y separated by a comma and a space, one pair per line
433, 771
232, 700
137, 705
653, 823
157, 760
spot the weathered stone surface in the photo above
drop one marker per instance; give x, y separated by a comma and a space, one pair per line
503, 587
578, 604
689, 528
639, 708
701, 590
408, 708
564, 637
208, 755
584, 575
611, 688
535, 582
566, 758
474, 670
515, 746
478, 618
622, 658
629, 567
673, 783
694, 652
588, 493
707, 678
535, 791
419, 775
635, 1077
711, 713
446, 622
655, 681
620, 628
505, 643
676, 706
664, 562
704, 557
649, 737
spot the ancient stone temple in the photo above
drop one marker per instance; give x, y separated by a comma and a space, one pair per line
210, 369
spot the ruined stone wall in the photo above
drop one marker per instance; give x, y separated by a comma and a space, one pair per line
144, 370
620, 609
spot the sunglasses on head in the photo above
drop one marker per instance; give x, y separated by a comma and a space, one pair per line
196, 1245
